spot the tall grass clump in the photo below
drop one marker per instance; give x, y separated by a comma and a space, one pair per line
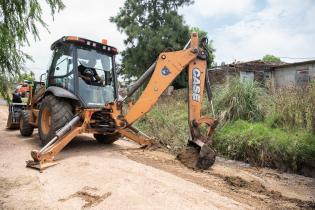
294, 108
240, 100
167, 122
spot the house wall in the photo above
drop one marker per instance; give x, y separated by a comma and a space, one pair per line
287, 76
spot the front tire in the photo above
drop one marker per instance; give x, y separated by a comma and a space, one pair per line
54, 113
11, 125
107, 139
26, 129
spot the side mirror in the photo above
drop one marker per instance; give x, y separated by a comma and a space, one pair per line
41, 77
118, 68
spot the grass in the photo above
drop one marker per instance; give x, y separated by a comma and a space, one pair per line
168, 121
293, 108
256, 127
240, 100
262, 145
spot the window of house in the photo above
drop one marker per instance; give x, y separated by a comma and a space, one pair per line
246, 76
302, 77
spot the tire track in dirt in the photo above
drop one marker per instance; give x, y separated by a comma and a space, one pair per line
240, 186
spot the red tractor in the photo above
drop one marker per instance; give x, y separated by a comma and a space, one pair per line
22, 88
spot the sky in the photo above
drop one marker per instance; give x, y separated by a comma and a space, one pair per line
241, 30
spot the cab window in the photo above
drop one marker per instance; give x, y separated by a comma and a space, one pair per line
62, 63
61, 69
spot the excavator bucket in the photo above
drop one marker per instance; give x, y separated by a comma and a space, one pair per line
206, 157
196, 157
199, 153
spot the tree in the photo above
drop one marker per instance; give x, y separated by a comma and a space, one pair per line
18, 19
271, 59
27, 76
151, 26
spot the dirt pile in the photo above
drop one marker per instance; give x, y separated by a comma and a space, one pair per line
259, 187
255, 186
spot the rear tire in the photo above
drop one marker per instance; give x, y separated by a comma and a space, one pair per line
107, 139
54, 113
26, 129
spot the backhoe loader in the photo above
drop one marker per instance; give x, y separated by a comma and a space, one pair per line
81, 96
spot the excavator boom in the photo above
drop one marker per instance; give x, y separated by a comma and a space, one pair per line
167, 67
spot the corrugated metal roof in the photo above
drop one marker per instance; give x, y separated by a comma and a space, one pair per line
295, 64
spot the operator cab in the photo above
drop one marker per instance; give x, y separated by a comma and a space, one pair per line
86, 69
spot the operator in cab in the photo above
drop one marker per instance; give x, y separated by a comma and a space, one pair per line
16, 97
88, 73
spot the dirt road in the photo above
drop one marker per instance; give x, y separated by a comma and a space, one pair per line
121, 176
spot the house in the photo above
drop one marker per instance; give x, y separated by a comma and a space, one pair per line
272, 75
298, 74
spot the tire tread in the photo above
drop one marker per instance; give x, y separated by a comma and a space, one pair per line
61, 113
27, 129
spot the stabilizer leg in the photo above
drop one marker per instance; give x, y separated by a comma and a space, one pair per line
45, 157
137, 136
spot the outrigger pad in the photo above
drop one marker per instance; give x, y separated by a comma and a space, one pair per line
39, 166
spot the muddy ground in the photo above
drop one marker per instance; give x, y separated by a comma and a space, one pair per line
122, 176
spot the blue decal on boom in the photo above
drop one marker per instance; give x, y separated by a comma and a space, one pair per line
165, 71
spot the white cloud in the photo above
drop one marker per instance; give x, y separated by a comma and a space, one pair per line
88, 19
216, 9
283, 28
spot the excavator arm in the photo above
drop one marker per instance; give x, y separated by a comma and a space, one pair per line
167, 67
199, 153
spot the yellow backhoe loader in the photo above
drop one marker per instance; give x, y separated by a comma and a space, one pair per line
81, 96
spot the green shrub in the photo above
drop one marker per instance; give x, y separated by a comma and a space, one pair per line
239, 100
261, 145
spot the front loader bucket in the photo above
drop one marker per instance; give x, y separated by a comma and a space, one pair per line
197, 157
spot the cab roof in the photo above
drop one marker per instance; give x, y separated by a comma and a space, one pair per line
85, 42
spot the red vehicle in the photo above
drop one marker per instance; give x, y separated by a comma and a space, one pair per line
22, 88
